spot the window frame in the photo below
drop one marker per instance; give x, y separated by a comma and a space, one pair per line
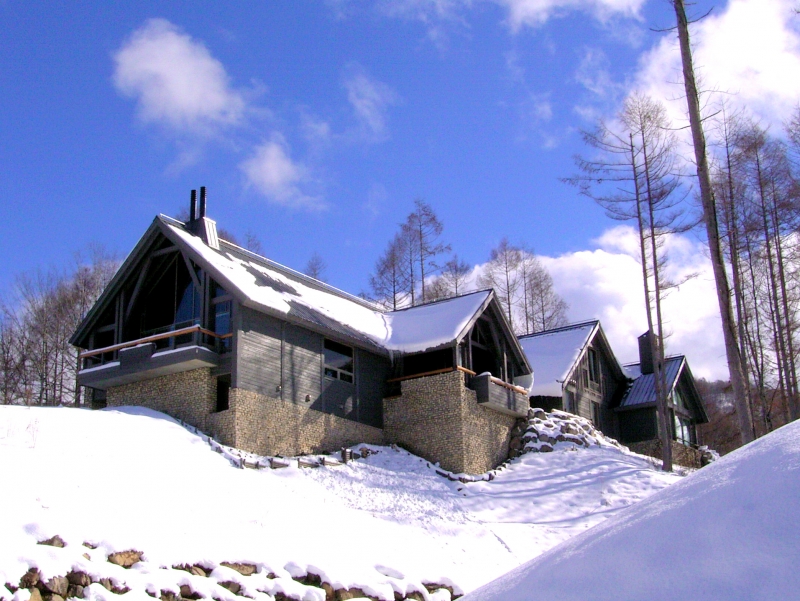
332, 372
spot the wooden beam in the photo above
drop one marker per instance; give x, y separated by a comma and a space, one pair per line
164, 251
138, 288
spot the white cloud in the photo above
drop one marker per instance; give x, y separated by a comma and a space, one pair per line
370, 100
750, 51
606, 283
175, 80
273, 173
533, 13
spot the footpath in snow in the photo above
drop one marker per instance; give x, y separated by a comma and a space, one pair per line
145, 507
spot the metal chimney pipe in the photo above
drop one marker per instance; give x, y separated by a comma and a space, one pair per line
193, 206
202, 202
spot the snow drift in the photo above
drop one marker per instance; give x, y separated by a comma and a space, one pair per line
729, 531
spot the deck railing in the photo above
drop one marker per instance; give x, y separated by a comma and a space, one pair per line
196, 335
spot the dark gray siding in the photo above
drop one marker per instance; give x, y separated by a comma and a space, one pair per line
637, 425
282, 360
258, 364
302, 366
372, 372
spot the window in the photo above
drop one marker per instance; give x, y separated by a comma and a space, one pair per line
683, 430
221, 315
338, 361
594, 366
596, 415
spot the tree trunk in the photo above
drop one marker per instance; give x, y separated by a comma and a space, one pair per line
712, 229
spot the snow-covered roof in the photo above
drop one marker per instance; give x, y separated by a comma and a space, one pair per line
267, 286
553, 354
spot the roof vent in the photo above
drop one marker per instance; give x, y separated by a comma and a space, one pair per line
199, 224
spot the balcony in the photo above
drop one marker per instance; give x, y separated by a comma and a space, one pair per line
160, 354
500, 396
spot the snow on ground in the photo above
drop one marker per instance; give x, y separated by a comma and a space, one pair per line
136, 479
730, 531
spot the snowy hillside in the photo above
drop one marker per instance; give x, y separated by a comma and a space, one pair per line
385, 525
730, 531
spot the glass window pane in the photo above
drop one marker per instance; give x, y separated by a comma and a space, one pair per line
338, 356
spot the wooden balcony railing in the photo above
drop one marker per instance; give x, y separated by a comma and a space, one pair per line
194, 331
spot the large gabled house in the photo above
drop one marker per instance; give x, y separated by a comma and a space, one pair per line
274, 362
576, 371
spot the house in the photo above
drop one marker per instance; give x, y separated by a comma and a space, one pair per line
277, 363
577, 371
637, 416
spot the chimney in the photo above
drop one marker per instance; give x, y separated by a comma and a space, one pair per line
199, 224
646, 353
193, 206
202, 202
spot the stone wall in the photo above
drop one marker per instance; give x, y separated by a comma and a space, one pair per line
681, 454
268, 426
438, 418
190, 395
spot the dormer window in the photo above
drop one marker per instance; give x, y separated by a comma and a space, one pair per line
338, 361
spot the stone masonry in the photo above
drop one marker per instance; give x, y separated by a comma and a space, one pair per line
269, 426
438, 417
189, 395
681, 454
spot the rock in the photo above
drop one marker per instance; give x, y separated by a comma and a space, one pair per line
13, 589
245, 569
79, 578
343, 594
57, 585
86, 556
89, 545
545, 438
36, 595
188, 593
516, 443
545, 448
106, 583
540, 414
232, 586
55, 541
75, 590
416, 595
125, 558
195, 570
30, 578
55, 597
169, 596
330, 594
560, 438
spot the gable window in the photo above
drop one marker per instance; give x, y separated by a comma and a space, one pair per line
338, 361
594, 366
220, 315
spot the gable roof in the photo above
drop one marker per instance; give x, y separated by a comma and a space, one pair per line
642, 393
266, 286
555, 354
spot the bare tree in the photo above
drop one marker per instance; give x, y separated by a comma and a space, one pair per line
710, 219
636, 178
316, 267
503, 274
455, 275
542, 307
422, 230
389, 282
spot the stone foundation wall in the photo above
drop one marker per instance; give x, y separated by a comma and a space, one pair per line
681, 454
189, 395
269, 426
438, 418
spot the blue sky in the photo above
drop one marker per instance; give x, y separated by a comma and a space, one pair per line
314, 125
